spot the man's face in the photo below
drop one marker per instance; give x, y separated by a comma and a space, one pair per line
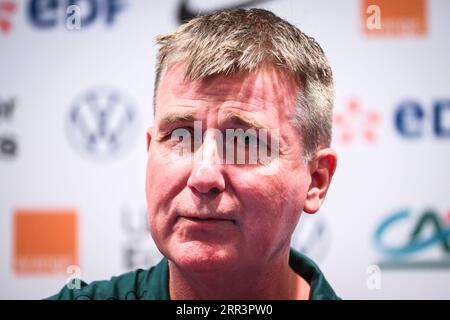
206, 214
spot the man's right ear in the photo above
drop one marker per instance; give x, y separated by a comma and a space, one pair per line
149, 137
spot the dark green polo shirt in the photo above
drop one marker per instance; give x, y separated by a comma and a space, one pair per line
153, 284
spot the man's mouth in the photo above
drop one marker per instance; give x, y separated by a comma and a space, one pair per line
206, 219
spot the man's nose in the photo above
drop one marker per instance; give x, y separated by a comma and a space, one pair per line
206, 174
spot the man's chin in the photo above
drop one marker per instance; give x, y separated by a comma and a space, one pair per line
197, 256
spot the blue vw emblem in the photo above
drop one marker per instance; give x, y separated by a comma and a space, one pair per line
101, 123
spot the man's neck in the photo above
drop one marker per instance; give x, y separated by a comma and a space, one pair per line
271, 282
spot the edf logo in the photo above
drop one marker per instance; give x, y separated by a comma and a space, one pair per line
413, 120
47, 14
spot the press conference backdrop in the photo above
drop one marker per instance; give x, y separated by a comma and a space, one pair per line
76, 87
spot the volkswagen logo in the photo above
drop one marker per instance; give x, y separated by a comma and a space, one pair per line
101, 123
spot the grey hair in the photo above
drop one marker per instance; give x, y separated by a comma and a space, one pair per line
231, 41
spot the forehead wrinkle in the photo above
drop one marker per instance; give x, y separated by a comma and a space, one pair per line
265, 83
257, 90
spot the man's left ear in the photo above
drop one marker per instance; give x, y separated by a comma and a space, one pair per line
149, 137
321, 170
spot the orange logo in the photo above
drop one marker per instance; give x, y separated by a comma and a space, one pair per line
45, 241
394, 17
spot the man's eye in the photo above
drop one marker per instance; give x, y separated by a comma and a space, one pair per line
252, 141
248, 140
179, 132
182, 130
174, 134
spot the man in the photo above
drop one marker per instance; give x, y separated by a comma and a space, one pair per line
224, 225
